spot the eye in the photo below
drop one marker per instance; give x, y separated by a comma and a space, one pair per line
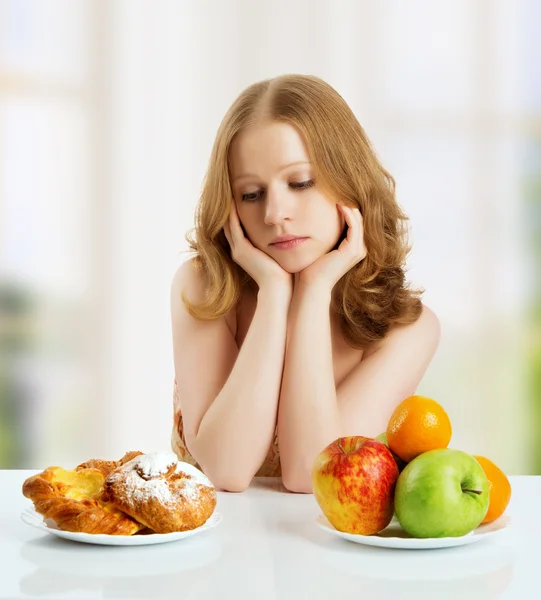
303, 185
251, 197
299, 186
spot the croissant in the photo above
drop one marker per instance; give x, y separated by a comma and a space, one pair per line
162, 492
74, 501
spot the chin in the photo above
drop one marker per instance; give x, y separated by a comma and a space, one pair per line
296, 264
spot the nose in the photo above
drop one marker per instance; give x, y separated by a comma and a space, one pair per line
278, 207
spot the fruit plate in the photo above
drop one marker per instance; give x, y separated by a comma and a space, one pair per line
31, 517
393, 536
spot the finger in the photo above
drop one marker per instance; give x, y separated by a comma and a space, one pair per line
354, 237
227, 232
362, 246
351, 222
234, 214
236, 228
232, 224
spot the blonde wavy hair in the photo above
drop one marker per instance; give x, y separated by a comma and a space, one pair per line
373, 295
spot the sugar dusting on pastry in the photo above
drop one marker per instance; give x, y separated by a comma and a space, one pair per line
144, 489
188, 469
144, 479
154, 464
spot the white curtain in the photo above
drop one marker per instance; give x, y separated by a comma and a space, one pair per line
108, 112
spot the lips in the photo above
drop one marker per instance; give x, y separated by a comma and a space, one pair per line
292, 242
286, 238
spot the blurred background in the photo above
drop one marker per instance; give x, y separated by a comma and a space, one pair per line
108, 111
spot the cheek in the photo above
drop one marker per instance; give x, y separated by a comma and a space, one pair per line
335, 224
244, 216
249, 224
338, 221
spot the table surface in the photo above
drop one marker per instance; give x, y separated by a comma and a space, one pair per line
267, 547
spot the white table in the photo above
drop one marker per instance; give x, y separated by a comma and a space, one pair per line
266, 547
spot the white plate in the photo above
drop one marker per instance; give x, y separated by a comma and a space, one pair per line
393, 536
31, 517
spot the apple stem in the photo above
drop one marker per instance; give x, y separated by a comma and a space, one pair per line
478, 492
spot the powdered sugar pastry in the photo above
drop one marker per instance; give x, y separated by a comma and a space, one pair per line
145, 478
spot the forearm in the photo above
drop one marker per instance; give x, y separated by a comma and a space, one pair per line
308, 417
237, 430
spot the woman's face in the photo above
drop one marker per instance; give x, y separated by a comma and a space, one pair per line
275, 195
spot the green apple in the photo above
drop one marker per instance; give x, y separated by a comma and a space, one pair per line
441, 493
382, 437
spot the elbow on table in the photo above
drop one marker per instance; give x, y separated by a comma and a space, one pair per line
230, 482
297, 484
225, 473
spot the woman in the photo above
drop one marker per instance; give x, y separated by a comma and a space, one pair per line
293, 325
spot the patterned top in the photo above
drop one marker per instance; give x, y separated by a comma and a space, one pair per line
270, 467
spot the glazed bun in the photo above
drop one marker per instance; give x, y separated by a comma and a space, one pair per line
74, 501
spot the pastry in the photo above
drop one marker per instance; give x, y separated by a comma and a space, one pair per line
106, 466
162, 492
74, 501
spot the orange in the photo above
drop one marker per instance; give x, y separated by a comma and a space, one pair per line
418, 424
498, 487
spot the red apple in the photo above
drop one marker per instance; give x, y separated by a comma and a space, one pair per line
354, 479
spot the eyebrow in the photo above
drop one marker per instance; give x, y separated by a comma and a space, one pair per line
280, 168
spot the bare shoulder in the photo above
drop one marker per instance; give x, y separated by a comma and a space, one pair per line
190, 281
427, 324
425, 331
